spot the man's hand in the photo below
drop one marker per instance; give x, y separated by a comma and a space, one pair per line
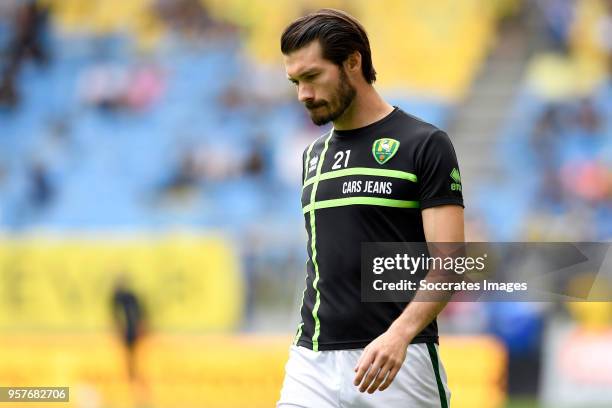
380, 361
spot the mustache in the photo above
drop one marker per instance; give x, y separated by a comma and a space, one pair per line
313, 105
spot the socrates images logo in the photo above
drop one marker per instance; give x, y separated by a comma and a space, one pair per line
384, 149
456, 176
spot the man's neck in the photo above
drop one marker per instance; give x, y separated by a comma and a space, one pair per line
367, 107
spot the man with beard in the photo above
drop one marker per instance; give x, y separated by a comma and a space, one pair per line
380, 175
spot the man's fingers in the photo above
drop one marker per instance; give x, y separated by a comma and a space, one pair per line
362, 367
373, 372
382, 375
370, 376
390, 377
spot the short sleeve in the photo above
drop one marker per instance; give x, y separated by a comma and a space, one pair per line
438, 172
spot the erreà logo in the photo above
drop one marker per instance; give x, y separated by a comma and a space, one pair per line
313, 163
456, 176
384, 149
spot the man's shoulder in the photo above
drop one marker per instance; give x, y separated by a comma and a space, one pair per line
412, 128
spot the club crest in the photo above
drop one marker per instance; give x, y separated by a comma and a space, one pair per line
384, 149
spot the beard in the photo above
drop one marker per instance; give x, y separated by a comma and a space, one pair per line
323, 112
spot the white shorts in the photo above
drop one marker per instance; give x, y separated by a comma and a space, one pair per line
324, 379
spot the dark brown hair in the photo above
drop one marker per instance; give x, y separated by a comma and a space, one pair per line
339, 34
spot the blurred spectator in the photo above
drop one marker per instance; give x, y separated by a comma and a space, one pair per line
588, 118
42, 189
545, 137
8, 90
567, 140
254, 164
259, 156
30, 26
587, 180
104, 86
220, 161
191, 19
262, 94
186, 176
188, 17
111, 86
544, 140
146, 87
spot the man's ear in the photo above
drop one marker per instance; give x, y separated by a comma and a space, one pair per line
352, 64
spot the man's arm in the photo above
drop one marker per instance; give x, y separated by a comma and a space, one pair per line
382, 359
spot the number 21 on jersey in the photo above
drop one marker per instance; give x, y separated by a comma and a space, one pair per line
339, 157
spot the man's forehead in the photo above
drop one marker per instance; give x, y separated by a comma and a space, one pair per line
297, 69
303, 59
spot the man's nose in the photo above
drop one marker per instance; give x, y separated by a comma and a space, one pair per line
305, 93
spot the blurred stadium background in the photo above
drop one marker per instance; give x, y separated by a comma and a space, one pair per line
157, 142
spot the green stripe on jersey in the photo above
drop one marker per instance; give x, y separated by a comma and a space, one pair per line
299, 331
363, 171
339, 202
313, 246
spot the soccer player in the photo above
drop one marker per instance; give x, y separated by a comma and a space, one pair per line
380, 175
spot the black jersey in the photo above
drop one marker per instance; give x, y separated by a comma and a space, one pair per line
366, 185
